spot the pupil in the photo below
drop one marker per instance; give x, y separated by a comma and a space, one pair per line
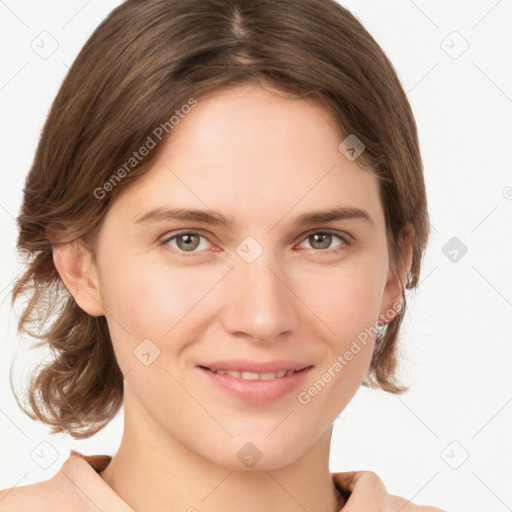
325, 237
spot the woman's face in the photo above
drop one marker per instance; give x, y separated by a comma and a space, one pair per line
183, 295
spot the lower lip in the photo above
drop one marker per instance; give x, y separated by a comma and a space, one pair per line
256, 391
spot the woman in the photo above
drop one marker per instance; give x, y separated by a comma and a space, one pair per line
225, 208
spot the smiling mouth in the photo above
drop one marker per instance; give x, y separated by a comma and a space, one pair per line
245, 375
254, 387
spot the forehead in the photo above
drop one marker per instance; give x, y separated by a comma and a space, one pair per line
249, 152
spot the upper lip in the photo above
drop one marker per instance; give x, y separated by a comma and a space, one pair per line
246, 365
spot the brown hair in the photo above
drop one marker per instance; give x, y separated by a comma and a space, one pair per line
141, 65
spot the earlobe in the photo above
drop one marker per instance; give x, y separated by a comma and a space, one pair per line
78, 273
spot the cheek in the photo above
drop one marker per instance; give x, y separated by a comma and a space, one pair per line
347, 297
148, 299
349, 348
347, 300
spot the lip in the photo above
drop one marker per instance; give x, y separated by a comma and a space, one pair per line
245, 365
257, 392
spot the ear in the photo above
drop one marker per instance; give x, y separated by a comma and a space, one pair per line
396, 280
79, 274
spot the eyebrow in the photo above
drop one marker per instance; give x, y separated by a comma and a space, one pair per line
217, 219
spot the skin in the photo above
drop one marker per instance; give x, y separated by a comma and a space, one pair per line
261, 159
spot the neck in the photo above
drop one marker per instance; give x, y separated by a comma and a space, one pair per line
154, 471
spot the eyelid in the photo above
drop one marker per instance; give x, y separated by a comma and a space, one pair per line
347, 241
192, 231
347, 237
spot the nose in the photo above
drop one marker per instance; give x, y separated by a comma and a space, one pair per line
260, 303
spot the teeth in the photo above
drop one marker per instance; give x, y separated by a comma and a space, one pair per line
249, 376
255, 376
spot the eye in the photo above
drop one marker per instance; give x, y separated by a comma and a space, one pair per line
323, 239
186, 241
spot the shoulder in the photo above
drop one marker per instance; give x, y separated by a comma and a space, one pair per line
76, 486
40, 497
71, 488
366, 491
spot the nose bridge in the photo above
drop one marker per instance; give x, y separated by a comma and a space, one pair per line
260, 303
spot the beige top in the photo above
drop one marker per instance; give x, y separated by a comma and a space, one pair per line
78, 487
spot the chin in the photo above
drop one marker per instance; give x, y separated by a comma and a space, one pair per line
261, 452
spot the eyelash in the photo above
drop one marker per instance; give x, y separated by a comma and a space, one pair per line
343, 247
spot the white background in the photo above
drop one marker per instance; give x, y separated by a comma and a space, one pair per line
456, 333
